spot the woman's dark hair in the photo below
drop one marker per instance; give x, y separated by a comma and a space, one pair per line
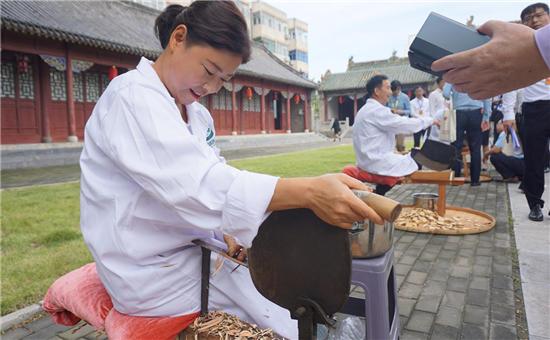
532, 9
218, 24
374, 83
438, 80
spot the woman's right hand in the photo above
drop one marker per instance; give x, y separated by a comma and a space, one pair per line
328, 196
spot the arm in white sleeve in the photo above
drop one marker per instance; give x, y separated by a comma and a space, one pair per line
150, 143
387, 121
508, 104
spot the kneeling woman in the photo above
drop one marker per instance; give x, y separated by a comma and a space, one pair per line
152, 182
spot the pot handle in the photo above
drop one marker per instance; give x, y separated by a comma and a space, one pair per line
387, 208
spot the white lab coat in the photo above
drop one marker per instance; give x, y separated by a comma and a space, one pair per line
438, 106
420, 107
151, 184
374, 133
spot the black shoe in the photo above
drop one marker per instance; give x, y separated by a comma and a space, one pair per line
536, 213
475, 184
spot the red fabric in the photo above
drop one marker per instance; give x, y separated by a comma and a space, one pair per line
363, 176
81, 295
78, 295
121, 327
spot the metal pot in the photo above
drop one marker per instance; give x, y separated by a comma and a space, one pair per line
425, 200
375, 240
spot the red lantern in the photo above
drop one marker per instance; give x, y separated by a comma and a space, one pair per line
248, 93
113, 72
22, 64
296, 98
341, 100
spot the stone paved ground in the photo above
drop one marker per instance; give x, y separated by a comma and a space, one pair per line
450, 287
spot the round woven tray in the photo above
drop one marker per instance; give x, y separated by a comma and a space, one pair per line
475, 222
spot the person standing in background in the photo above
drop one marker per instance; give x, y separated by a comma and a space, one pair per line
399, 104
420, 107
438, 105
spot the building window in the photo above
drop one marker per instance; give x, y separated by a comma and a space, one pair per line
78, 93
26, 84
257, 18
298, 55
104, 81
222, 100
204, 101
58, 85
8, 80
92, 87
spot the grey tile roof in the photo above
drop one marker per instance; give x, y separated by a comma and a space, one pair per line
119, 26
359, 73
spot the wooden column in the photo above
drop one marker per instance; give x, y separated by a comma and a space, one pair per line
262, 111
70, 98
306, 114
233, 109
288, 129
355, 105
44, 76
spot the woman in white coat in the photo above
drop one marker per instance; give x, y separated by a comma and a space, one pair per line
152, 182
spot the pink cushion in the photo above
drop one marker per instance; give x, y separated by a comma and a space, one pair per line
121, 327
78, 295
363, 176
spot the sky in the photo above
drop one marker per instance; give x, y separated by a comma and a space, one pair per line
371, 30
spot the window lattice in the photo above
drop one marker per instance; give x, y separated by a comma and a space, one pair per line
26, 84
78, 92
8, 80
92, 87
58, 85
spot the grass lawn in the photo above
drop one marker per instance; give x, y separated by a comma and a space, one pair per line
41, 237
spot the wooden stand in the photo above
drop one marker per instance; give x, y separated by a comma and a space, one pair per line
442, 179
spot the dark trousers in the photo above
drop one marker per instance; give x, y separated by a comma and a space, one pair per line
469, 121
507, 166
536, 132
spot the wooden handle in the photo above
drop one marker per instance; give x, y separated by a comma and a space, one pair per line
387, 208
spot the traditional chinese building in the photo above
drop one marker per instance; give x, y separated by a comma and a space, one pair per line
58, 57
344, 93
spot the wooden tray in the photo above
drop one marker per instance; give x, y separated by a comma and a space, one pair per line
486, 222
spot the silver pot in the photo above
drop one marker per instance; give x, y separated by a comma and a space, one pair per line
373, 241
425, 200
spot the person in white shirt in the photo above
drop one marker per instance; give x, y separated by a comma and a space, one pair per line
374, 133
438, 105
152, 182
420, 107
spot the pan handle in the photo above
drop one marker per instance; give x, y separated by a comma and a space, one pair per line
387, 208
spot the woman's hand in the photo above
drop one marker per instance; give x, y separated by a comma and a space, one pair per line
234, 249
329, 196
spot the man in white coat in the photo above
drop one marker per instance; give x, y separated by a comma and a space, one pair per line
420, 107
438, 105
374, 134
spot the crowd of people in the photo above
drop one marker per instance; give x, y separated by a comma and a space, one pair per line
519, 147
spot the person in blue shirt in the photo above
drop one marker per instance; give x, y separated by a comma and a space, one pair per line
399, 104
509, 166
472, 117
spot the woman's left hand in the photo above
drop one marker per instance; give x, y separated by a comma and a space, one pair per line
234, 249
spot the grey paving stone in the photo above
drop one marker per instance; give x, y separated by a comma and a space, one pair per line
402, 269
441, 332
39, 324
428, 256
484, 251
476, 315
407, 259
77, 332
462, 261
502, 269
416, 277
502, 282
420, 322
502, 296
461, 271
16, 334
428, 303
480, 283
434, 288
447, 254
409, 290
405, 306
422, 266
96, 336
478, 297
47, 333
457, 284
408, 335
482, 270
469, 253
483, 260
505, 314
438, 275
448, 316
454, 299
450, 246
400, 279
502, 332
